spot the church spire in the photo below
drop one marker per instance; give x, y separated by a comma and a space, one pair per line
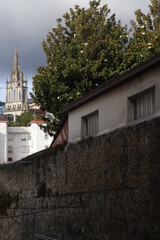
16, 90
15, 64
16, 57
16, 72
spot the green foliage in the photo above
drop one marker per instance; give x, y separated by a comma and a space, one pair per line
88, 49
81, 55
25, 118
2, 103
145, 39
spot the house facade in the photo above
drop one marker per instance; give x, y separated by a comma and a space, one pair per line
126, 99
19, 142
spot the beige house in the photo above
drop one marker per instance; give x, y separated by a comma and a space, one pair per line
126, 99
16, 91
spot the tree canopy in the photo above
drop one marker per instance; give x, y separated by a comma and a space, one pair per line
26, 118
86, 49
145, 38
2, 103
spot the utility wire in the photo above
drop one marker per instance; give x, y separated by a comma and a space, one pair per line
92, 192
71, 206
39, 212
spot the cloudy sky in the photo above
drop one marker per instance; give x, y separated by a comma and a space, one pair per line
24, 23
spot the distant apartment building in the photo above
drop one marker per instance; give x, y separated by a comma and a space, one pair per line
19, 142
16, 91
2, 107
3, 139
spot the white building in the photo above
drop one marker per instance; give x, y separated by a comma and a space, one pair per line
127, 99
3, 140
19, 142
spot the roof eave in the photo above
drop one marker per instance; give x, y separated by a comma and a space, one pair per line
114, 82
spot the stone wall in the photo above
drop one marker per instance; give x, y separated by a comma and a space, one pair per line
106, 187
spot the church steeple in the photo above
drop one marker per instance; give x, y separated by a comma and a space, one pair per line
15, 59
16, 90
15, 62
16, 72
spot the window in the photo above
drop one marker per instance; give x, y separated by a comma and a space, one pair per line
9, 159
90, 124
19, 106
24, 137
9, 96
9, 149
46, 136
29, 137
24, 95
142, 105
23, 149
14, 107
14, 94
19, 94
10, 138
29, 149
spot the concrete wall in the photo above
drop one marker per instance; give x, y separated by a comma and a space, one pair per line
113, 106
106, 187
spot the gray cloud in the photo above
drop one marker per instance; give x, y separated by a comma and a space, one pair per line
26, 22
125, 9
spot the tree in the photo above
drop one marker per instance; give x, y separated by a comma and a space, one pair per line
145, 37
26, 118
81, 55
2, 103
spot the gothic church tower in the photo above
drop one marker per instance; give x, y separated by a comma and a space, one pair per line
16, 90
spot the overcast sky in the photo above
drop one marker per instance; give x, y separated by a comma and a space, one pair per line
26, 22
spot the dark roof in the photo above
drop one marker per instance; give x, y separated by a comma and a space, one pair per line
59, 130
37, 121
3, 119
140, 68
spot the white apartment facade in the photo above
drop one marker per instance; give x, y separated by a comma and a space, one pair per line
3, 139
19, 142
